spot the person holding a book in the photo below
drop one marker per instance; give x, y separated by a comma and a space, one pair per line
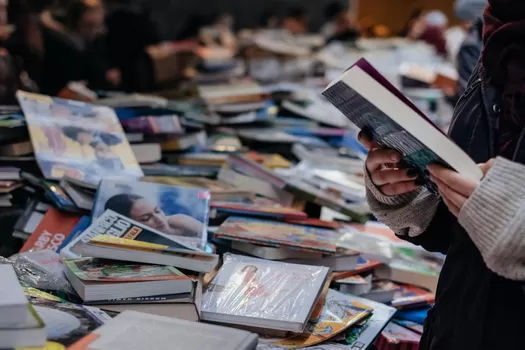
140, 209
479, 225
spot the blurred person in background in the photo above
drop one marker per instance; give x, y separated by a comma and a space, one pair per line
470, 49
346, 28
130, 30
414, 17
295, 20
430, 28
75, 49
331, 12
466, 11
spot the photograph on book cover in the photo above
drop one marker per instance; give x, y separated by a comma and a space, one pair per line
178, 211
77, 139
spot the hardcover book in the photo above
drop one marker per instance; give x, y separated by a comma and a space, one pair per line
179, 212
96, 149
278, 234
52, 231
263, 294
367, 99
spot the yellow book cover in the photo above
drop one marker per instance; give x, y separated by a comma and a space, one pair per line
77, 139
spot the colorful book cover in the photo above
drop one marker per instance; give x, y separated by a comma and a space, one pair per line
116, 225
258, 207
164, 124
339, 313
410, 296
65, 322
413, 326
260, 289
77, 139
278, 234
52, 231
219, 190
99, 270
395, 337
80, 227
181, 212
368, 332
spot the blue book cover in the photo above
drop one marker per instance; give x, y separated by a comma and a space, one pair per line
179, 211
83, 224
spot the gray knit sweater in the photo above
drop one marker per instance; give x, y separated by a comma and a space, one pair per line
494, 216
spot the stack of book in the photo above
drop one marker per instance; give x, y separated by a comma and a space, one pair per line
20, 325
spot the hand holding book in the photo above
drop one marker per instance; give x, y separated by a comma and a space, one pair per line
454, 188
383, 166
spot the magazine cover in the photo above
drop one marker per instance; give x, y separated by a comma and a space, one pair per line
65, 322
77, 139
262, 289
278, 234
100, 270
258, 207
116, 225
52, 231
339, 313
181, 212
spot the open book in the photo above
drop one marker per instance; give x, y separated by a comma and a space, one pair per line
366, 98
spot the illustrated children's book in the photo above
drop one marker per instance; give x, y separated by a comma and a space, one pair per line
263, 294
339, 313
278, 234
77, 139
52, 231
180, 212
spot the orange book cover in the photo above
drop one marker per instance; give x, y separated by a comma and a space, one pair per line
52, 231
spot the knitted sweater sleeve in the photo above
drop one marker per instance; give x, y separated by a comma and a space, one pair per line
494, 218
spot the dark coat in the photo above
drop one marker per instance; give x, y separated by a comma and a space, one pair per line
475, 308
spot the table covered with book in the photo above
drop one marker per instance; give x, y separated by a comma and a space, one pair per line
233, 219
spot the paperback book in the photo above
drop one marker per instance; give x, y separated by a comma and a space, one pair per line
178, 212
263, 294
367, 99
278, 234
116, 225
94, 150
257, 207
52, 231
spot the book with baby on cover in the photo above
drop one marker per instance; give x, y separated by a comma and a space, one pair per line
365, 97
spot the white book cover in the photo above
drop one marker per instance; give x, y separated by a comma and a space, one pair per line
13, 303
261, 293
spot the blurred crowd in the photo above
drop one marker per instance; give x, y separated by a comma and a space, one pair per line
107, 45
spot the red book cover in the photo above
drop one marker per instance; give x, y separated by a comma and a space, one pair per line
52, 231
395, 337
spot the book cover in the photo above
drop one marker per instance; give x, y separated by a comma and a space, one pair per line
253, 288
363, 265
80, 227
278, 234
99, 270
116, 225
77, 139
367, 99
52, 231
219, 190
339, 313
395, 337
164, 124
410, 296
413, 326
258, 207
181, 212
181, 170
66, 323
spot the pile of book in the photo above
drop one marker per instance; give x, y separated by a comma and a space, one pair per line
244, 208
